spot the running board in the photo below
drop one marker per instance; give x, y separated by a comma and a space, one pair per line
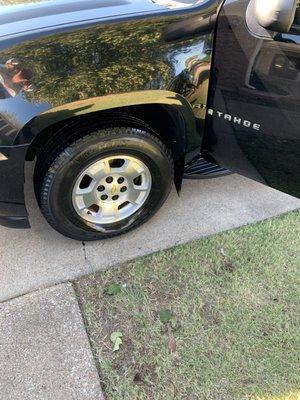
199, 168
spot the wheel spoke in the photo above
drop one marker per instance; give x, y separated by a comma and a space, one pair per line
132, 198
109, 210
141, 188
131, 169
85, 198
106, 167
84, 191
99, 170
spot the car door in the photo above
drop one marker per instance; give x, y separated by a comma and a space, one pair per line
253, 115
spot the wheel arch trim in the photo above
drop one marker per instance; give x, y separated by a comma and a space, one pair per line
110, 102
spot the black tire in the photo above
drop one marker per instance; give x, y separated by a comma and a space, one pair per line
58, 168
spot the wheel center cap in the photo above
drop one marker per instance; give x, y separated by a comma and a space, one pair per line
113, 189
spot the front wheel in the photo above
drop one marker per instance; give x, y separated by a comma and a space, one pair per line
103, 183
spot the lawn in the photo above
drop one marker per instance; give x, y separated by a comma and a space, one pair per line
214, 319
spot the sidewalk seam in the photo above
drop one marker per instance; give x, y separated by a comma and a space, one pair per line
88, 336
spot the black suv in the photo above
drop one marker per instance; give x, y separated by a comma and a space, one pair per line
116, 99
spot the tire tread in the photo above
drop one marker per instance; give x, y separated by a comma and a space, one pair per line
58, 152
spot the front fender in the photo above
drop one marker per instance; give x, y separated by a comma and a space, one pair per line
103, 103
49, 74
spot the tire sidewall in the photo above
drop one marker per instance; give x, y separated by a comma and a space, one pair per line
78, 157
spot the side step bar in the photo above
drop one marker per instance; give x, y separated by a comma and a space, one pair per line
199, 168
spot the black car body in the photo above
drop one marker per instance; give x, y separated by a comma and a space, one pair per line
206, 79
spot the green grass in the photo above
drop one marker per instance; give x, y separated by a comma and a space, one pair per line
234, 332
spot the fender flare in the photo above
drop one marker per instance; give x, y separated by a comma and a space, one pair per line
55, 115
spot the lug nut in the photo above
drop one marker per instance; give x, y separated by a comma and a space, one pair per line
115, 197
109, 179
104, 197
121, 180
100, 188
123, 189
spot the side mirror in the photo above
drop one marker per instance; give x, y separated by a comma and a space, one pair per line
276, 15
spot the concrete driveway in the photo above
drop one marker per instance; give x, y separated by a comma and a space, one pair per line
40, 257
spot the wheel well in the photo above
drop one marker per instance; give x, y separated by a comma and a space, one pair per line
165, 121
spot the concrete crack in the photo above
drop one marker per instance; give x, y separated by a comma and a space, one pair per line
88, 262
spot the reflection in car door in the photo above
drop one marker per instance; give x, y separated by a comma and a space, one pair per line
253, 115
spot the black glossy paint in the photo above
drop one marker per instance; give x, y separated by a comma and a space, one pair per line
255, 78
11, 184
63, 59
66, 58
65, 70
